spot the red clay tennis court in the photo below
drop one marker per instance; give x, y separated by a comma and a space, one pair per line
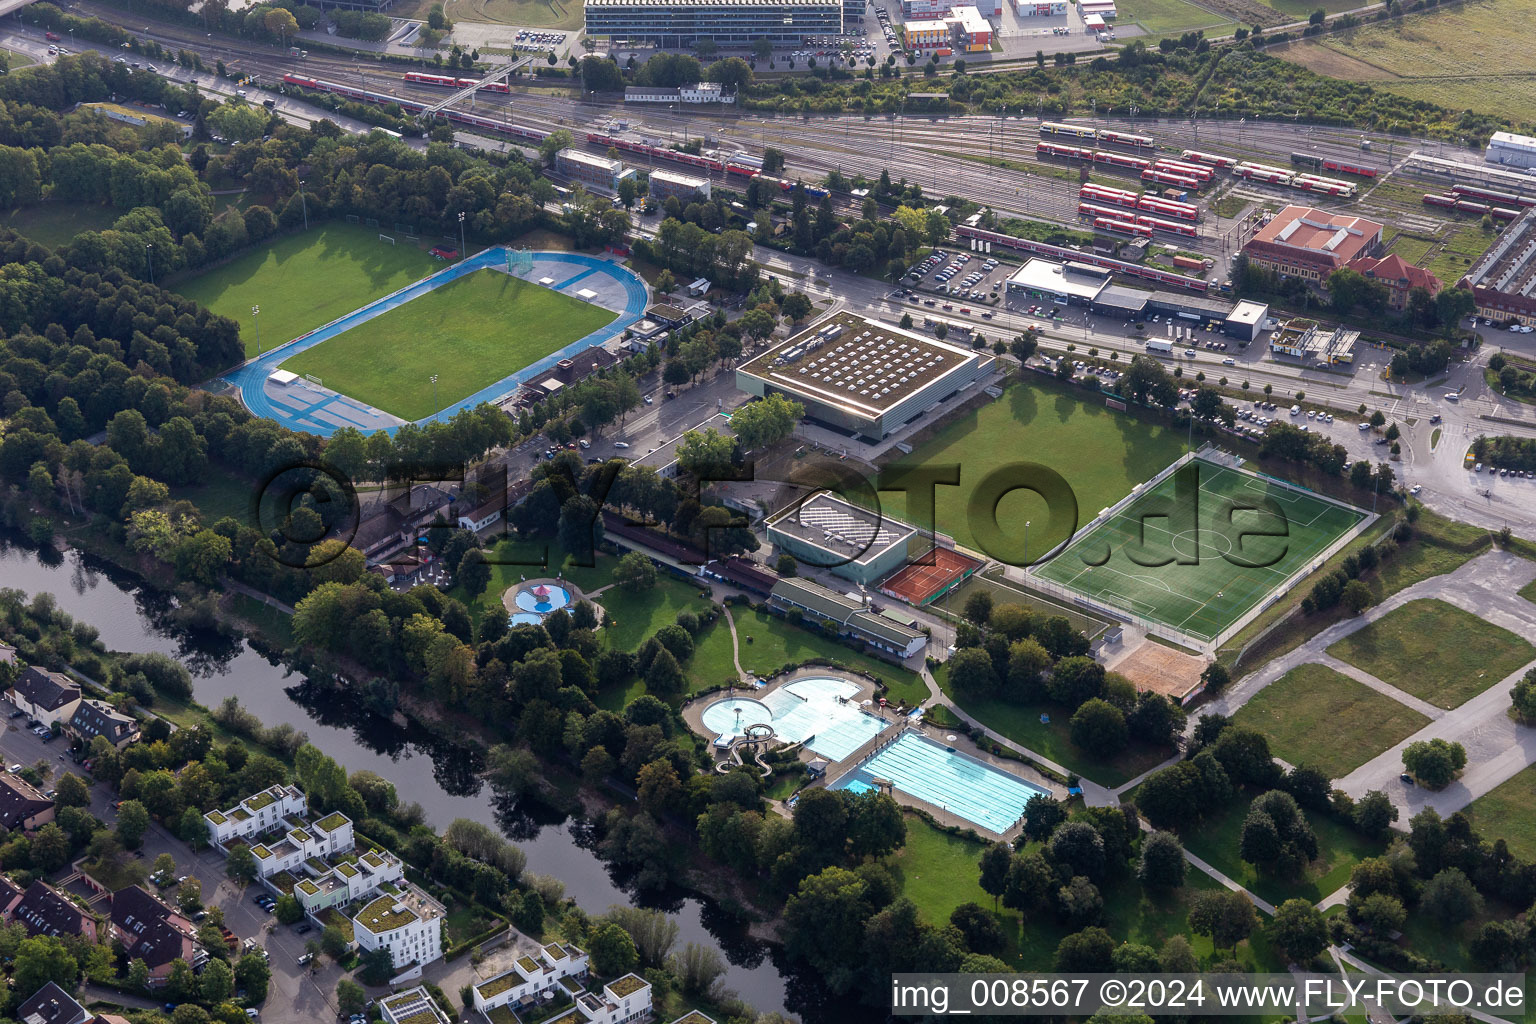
928, 577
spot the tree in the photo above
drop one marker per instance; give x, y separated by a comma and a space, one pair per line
635, 573
40, 960
978, 607
288, 910
72, 791
218, 981
1523, 696
474, 572
1355, 597
796, 307
1380, 913
1099, 728
132, 823
766, 421
280, 23
1077, 848
189, 896
995, 862
1162, 865
971, 673
1298, 929
1225, 915
350, 996
1374, 814
664, 675
240, 865
1450, 897
333, 942
979, 927
375, 966
1434, 762
1090, 951
612, 951
773, 161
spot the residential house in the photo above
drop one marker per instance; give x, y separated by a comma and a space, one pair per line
300, 845
151, 931
348, 880
413, 1006
46, 911
10, 895
407, 922
1400, 277
46, 696
52, 1005
93, 718
257, 813
531, 976
380, 534
486, 513
21, 805
621, 1001
7, 654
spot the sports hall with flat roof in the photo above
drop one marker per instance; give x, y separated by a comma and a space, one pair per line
861, 376
1202, 549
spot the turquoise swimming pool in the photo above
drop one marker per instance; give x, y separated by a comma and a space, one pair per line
956, 782
822, 711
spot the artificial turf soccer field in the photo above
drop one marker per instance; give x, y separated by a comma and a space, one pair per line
1205, 598
307, 280
471, 332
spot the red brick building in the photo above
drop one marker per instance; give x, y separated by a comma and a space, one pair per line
1400, 277
1311, 244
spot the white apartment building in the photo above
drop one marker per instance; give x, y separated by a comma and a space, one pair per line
622, 1001
327, 837
413, 1006
257, 813
348, 881
407, 922
531, 976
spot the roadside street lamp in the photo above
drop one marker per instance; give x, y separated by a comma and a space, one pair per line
462, 247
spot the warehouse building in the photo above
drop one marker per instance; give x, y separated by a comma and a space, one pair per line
698, 92
596, 171
860, 376
677, 24
830, 533
918, 10
685, 187
1311, 244
1118, 300
1511, 150
1503, 280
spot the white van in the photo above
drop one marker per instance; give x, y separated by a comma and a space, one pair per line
1295, 410
1452, 396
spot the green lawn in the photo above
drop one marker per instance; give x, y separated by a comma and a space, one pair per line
1171, 17
1529, 591
1021, 723
1100, 452
1316, 716
939, 872
1340, 848
1435, 651
470, 333
507, 557
15, 60
306, 280
1505, 813
55, 224
775, 643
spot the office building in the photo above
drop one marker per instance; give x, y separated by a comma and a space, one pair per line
678, 24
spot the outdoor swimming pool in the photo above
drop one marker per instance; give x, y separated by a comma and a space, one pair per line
537, 602
821, 711
955, 782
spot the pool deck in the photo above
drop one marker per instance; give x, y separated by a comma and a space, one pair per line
509, 596
693, 709
964, 745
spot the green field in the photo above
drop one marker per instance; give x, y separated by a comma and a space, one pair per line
1101, 453
307, 280
1316, 716
1529, 591
1435, 651
1171, 17
55, 224
1216, 517
471, 333
1339, 846
1505, 813
768, 643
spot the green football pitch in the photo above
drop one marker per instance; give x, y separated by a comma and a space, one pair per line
306, 280
1202, 548
470, 333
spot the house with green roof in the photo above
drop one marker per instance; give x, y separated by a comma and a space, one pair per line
408, 923
621, 1001
413, 1006
531, 978
254, 815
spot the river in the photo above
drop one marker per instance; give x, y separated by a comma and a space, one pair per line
436, 775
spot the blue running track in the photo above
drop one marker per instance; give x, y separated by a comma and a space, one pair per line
251, 377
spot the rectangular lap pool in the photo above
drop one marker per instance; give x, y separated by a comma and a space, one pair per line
957, 783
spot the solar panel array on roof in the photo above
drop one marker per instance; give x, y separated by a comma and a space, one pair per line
870, 364
840, 526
